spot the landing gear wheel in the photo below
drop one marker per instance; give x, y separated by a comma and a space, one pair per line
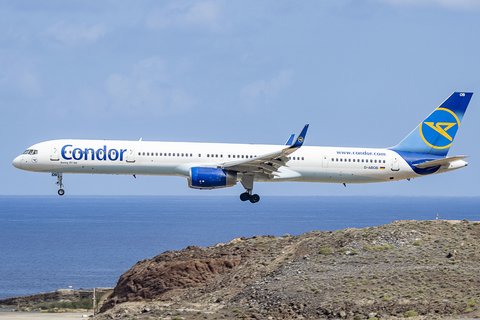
61, 192
245, 196
254, 198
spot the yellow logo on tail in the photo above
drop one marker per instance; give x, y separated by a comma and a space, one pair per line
442, 128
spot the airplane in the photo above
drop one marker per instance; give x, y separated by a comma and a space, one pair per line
219, 165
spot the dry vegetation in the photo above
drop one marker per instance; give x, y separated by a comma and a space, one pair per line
402, 269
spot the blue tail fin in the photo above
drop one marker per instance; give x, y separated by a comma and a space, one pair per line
435, 134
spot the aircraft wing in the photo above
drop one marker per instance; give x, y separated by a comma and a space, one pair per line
435, 163
267, 164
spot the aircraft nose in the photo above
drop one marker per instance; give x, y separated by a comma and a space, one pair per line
17, 162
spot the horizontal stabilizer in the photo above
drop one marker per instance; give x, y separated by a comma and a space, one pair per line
436, 163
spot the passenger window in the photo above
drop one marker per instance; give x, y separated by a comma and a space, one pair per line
303, 158
349, 160
199, 155
216, 156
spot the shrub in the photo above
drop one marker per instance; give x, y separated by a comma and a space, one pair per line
325, 250
471, 303
410, 313
417, 243
384, 247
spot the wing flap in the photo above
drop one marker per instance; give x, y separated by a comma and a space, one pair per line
268, 164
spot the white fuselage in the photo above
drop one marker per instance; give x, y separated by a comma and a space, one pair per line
308, 164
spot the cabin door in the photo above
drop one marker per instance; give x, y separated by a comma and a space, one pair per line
54, 152
325, 162
131, 154
395, 162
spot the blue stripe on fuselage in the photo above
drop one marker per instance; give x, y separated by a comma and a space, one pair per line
416, 158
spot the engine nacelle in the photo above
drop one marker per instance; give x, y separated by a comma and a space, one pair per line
211, 178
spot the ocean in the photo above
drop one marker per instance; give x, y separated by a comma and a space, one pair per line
52, 242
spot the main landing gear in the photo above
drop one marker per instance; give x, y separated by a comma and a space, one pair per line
254, 198
247, 182
59, 183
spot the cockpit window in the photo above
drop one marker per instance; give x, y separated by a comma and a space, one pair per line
30, 151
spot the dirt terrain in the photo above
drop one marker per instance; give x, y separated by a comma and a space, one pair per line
405, 268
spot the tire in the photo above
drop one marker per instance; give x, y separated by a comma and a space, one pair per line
61, 192
254, 198
245, 196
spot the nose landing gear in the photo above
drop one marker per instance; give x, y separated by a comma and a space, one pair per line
59, 183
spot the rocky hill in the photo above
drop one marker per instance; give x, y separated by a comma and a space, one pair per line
403, 268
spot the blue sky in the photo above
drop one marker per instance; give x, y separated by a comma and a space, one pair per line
362, 73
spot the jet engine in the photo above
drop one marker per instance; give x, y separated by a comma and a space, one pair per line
211, 178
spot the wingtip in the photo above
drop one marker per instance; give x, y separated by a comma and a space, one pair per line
301, 138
